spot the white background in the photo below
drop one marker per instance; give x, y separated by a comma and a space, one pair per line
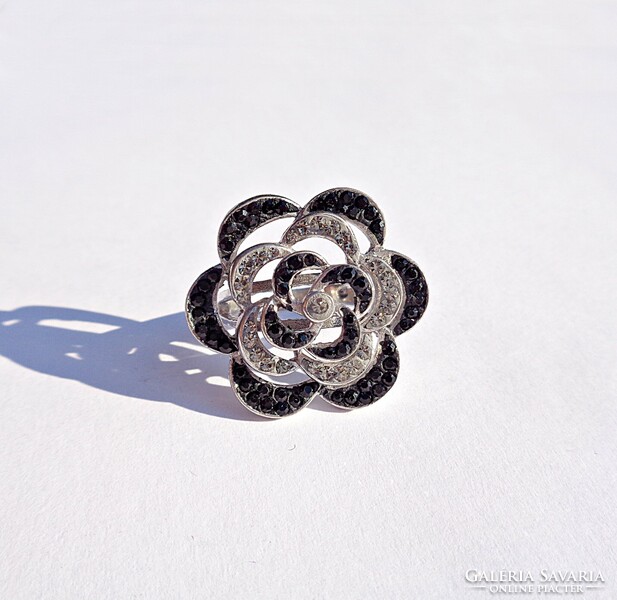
485, 130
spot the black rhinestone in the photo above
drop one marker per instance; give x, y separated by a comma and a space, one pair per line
250, 219
213, 276
351, 335
264, 389
269, 206
288, 340
370, 212
376, 226
197, 313
379, 390
410, 273
239, 215
284, 274
208, 321
281, 408
375, 374
348, 274
388, 347
328, 202
310, 260
212, 334
403, 263
364, 385
271, 317
349, 317
360, 283
413, 312
419, 299
365, 398
306, 391
361, 202
346, 198
280, 393
197, 300
329, 277
295, 401
281, 207
282, 288
303, 338
266, 404
252, 398
245, 385
225, 346
275, 330
329, 352
351, 396
227, 245
405, 324
211, 320
240, 370
415, 287
317, 204
295, 262
231, 229
337, 396
205, 285
389, 363
343, 349
353, 212
388, 378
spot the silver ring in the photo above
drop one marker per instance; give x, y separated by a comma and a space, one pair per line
274, 329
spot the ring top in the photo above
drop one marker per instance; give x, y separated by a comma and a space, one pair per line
283, 325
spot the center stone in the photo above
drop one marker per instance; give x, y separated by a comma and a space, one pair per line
319, 306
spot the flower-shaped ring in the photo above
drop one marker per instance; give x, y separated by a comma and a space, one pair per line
332, 325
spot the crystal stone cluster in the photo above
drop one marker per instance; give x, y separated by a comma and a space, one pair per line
273, 329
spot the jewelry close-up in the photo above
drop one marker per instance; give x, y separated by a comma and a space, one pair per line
277, 328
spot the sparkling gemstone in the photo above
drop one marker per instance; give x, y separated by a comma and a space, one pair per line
390, 363
319, 306
287, 340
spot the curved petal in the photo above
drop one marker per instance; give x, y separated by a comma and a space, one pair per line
253, 349
201, 316
281, 335
354, 277
245, 267
390, 293
266, 398
416, 291
247, 216
345, 344
345, 371
374, 385
323, 225
292, 264
353, 205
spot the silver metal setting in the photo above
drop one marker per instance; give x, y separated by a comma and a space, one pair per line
371, 297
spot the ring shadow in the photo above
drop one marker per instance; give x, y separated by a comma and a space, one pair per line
156, 360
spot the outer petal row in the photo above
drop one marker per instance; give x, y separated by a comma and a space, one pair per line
202, 319
266, 398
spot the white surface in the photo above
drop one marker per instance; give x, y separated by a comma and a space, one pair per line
487, 133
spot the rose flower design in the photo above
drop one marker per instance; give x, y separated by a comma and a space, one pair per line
367, 301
